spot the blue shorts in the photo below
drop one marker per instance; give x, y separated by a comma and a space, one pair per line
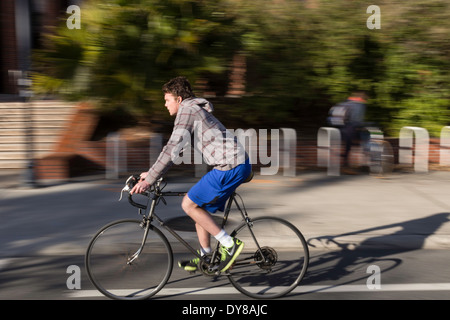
214, 188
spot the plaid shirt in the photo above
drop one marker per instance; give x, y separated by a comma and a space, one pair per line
194, 121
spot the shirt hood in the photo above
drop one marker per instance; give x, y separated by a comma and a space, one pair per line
202, 103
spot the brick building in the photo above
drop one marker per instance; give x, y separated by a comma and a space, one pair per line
22, 23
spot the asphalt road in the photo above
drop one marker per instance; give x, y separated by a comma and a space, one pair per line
332, 275
398, 224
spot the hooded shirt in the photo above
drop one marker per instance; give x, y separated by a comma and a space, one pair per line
195, 125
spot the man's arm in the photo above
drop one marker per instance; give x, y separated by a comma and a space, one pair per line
183, 128
183, 125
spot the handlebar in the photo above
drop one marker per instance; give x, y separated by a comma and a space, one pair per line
133, 203
130, 183
155, 189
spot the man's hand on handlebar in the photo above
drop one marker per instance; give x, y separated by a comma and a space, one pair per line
144, 175
142, 185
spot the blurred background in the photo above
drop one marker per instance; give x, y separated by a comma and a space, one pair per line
68, 80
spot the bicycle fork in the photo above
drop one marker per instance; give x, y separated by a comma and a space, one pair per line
145, 224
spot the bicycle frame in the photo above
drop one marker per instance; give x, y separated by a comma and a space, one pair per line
158, 195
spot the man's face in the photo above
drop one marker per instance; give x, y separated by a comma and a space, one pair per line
172, 103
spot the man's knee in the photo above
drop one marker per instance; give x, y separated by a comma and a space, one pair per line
188, 205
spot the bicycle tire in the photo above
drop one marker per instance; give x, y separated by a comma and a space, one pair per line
287, 258
382, 158
109, 250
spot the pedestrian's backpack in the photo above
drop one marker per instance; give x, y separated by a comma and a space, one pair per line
339, 115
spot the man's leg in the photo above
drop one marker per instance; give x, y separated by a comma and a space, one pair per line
195, 212
347, 139
204, 238
206, 226
204, 223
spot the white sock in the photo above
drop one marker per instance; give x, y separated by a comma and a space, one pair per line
205, 251
224, 238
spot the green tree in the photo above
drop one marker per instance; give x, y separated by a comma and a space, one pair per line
301, 58
404, 65
126, 50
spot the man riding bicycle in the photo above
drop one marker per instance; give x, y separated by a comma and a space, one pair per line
220, 149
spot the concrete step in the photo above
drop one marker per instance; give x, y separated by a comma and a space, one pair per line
11, 147
13, 164
18, 117
22, 139
56, 124
48, 122
21, 132
19, 152
13, 155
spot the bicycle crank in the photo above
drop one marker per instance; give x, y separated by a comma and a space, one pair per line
266, 258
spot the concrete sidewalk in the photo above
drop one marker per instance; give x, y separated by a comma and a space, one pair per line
407, 211
404, 211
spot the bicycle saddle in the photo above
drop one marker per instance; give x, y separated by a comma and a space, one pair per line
249, 178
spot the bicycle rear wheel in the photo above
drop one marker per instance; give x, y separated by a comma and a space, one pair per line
112, 269
274, 259
382, 158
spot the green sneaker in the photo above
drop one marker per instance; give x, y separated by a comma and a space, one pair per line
189, 265
229, 255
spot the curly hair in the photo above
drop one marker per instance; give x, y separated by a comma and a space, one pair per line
179, 87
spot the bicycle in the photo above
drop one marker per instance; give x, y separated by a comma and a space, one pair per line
380, 152
132, 259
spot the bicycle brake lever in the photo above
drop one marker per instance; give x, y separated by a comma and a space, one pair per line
127, 186
125, 189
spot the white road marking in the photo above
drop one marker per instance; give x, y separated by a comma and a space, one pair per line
300, 289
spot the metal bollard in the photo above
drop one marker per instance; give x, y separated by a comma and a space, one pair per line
116, 161
444, 150
289, 151
329, 150
421, 148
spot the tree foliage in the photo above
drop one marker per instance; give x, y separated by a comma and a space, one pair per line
125, 50
301, 57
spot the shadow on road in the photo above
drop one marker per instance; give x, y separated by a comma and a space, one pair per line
349, 263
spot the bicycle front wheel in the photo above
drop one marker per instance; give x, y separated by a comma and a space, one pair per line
123, 261
274, 259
